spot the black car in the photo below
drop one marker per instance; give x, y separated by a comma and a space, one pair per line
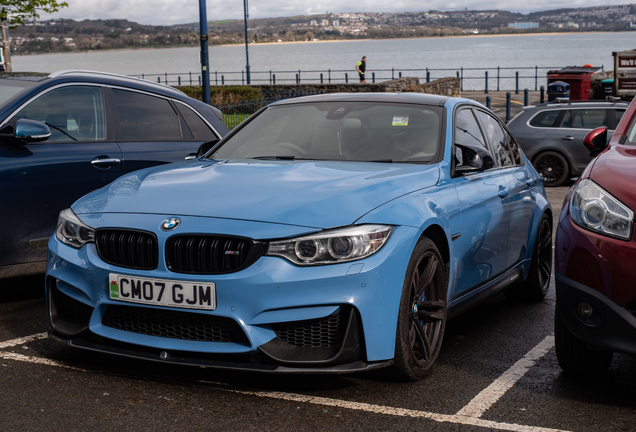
551, 135
65, 134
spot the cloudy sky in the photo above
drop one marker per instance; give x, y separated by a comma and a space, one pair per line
167, 12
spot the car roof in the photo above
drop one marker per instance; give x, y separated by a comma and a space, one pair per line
46, 80
95, 77
410, 98
111, 78
581, 104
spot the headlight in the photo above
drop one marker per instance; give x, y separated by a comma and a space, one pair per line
333, 246
71, 231
594, 209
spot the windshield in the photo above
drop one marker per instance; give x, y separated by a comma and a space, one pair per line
355, 131
10, 88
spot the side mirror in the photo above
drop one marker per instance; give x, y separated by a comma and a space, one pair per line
596, 140
473, 159
31, 130
205, 147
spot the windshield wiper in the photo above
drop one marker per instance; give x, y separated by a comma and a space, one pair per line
275, 157
382, 160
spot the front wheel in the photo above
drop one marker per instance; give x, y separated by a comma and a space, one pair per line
574, 355
422, 313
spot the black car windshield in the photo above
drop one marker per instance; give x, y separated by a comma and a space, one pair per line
10, 88
355, 131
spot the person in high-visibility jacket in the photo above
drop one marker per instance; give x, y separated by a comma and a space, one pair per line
361, 67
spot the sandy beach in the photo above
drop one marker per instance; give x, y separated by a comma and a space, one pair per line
310, 42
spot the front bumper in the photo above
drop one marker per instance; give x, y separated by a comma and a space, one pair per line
267, 302
611, 326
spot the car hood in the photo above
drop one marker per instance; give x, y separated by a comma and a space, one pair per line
315, 194
613, 170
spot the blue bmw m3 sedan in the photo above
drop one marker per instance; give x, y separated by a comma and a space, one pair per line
326, 234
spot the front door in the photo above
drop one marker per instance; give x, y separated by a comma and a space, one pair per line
41, 179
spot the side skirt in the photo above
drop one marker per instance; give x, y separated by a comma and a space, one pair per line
488, 289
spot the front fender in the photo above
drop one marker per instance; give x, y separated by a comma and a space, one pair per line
424, 209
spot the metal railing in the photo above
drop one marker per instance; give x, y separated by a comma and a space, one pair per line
499, 78
235, 113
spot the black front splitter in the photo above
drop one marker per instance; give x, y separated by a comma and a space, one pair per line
198, 360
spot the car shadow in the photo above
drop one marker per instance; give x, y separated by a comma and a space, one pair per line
21, 288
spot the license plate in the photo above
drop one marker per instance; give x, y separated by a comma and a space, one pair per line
162, 292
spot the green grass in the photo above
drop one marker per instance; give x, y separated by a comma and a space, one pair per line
233, 120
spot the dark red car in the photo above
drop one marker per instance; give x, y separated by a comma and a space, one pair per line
595, 255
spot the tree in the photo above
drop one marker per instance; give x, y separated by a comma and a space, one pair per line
17, 11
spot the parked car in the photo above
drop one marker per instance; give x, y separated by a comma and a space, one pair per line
551, 135
65, 134
595, 255
325, 234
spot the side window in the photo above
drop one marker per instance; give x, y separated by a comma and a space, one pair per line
467, 130
585, 119
73, 113
545, 119
630, 138
145, 118
618, 115
497, 139
513, 148
199, 129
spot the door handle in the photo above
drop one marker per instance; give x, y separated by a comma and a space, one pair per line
529, 182
567, 138
105, 162
503, 191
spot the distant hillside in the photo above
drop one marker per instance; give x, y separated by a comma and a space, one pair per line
69, 35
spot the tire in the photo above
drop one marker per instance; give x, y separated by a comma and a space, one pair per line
574, 355
537, 284
552, 167
421, 323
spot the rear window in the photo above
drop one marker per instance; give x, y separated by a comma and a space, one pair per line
145, 118
545, 118
585, 118
199, 129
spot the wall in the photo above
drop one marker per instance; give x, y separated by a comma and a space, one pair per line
444, 86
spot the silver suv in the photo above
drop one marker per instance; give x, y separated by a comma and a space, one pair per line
551, 135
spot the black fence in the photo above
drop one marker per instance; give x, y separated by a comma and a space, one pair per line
496, 78
235, 113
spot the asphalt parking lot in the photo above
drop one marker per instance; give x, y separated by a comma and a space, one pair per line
497, 370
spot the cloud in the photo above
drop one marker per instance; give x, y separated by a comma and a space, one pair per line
164, 12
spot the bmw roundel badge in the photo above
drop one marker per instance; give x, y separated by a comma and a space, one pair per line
170, 224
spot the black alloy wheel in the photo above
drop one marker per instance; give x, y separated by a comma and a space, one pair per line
537, 284
422, 314
543, 250
552, 167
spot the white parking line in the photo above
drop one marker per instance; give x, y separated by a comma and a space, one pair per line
401, 412
38, 360
22, 340
469, 415
491, 394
